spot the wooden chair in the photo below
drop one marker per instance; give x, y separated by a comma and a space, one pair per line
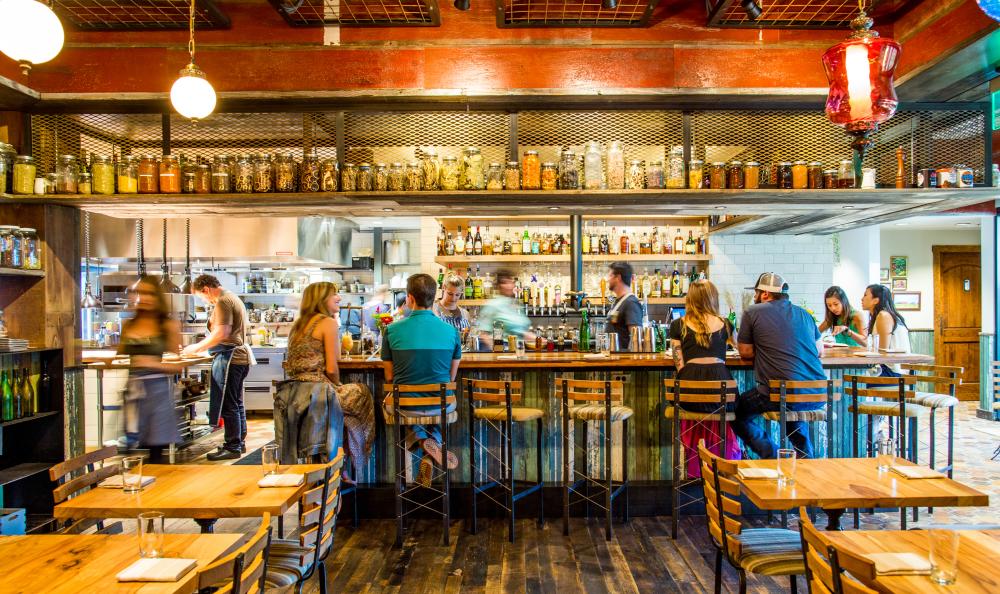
243, 570
944, 382
678, 393
69, 485
767, 551
895, 399
504, 395
603, 402
444, 400
823, 572
295, 561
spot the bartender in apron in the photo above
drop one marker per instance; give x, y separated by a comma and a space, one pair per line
627, 311
231, 360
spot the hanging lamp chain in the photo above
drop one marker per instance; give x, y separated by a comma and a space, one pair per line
191, 31
86, 244
187, 247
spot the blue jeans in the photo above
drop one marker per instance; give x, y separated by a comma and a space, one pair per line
418, 433
234, 415
750, 406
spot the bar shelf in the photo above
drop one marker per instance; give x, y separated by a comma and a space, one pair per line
22, 272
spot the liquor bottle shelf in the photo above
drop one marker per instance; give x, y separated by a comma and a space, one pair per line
499, 259
650, 300
33, 417
647, 257
21, 272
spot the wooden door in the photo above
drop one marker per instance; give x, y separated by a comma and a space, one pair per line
957, 300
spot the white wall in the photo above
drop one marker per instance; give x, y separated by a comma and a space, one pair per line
989, 256
916, 244
858, 263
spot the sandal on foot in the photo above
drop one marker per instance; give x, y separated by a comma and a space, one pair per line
433, 449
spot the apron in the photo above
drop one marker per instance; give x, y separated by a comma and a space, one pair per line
222, 356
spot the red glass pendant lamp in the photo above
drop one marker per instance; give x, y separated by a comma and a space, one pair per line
860, 70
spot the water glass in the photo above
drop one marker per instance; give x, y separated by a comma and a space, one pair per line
269, 458
131, 469
151, 534
873, 340
786, 467
519, 347
604, 343
944, 555
885, 453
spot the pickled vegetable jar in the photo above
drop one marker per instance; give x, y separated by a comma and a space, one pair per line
449, 173
221, 175
845, 174
512, 176
284, 173
471, 175
830, 179
654, 175
67, 175
751, 175
102, 172
30, 254
365, 179
128, 175
494, 177
531, 171
785, 178
170, 175
7, 246
381, 177
696, 174
736, 178
396, 176
815, 175
86, 184
430, 167
569, 174
7, 156
718, 175
800, 175
593, 168
550, 176
309, 173
675, 167
263, 173
349, 178
635, 177
328, 176
148, 173
414, 176
616, 165
203, 179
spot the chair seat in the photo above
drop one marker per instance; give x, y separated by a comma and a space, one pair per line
771, 551
428, 420
597, 412
890, 409
499, 413
807, 416
996, 405
687, 415
284, 566
934, 400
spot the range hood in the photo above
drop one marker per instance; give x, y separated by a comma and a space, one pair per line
326, 239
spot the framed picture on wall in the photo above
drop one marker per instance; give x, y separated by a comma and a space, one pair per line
906, 300
883, 275
899, 284
897, 266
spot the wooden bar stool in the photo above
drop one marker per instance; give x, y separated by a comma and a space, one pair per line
444, 399
894, 399
604, 400
944, 382
502, 415
680, 392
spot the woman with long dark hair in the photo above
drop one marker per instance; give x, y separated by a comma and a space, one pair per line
845, 323
885, 323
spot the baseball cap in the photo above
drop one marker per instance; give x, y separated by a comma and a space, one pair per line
770, 282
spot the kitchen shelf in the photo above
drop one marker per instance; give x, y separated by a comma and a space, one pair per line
33, 417
647, 257
488, 259
21, 272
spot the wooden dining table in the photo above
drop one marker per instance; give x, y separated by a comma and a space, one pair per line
70, 564
202, 492
978, 559
838, 484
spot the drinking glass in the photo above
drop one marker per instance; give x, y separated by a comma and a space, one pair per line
873, 340
944, 555
885, 452
269, 458
786, 467
604, 343
519, 347
131, 474
151, 534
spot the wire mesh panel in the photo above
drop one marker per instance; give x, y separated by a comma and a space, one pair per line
401, 137
929, 139
251, 133
573, 13
806, 14
112, 135
119, 15
647, 135
394, 13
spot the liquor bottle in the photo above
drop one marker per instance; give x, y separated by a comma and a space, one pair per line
497, 248
43, 387
595, 240
6, 397
637, 285
585, 241
675, 282
656, 287
691, 247
546, 245
459, 242
535, 244
526, 242
441, 241
470, 242
605, 244
16, 396
644, 244
28, 393
702, 243
440, 291
647, 283
469, 288
584, 345
477, 285
498, 337
477, 246
506, 251
557, 293
623, 242
488, 286
449, 246
679, 243
654, 242
613, 244
685, 281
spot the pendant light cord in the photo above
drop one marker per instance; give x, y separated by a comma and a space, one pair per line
138, 247
163, 265
187, 247
86, 245
191, 31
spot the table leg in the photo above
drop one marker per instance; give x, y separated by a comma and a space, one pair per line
833, 518
207, 526
100, 408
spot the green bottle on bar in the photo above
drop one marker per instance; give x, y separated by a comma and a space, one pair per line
584, 346
7, 396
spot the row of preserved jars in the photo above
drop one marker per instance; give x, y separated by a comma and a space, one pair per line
789, 175
19, 248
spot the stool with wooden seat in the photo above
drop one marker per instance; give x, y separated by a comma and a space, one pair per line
823, 571
604, 403
678, 393
501, 415
68, 485
444, 399
944, 382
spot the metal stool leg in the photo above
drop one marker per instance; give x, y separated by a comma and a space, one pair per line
473, 469
400, 470
676, 480
625, 471
567, 476
510, 480
607, 476
538, 470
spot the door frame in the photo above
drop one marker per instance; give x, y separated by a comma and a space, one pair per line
936, 251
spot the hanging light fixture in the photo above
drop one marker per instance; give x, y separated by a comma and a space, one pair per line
192, 95
186, 285
88, 301
862, 96
166, 284
140, 260
32, 33
991, 8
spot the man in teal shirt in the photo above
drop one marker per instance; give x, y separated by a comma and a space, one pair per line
421, 349
503, 308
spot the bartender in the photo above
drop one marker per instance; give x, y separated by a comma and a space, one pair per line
505, 309
231, 360
627, 311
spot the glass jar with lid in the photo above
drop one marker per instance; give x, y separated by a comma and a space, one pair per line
30, 255
430, 167
242, 175
67, 175
365, 179
170, 175
221, 175
396, 175
7, 156
569, 173
16, 248
512, 176
471, 175
449, 173
751, 175
48, 183
675, 168
784, 177
696, 174
737, 176
829, 179
349, 178
203, 179
654, 175
717, 175
189, 175
24, 174
414, 176
494, 177
263, 173
148, 174
328, 176
593, 167
845, 174
6, 246
635, 177
309, 173
800, 175
531, 171
86, 184
381, 177
127, 175
616, 165
815, 175
284, 173
550, 176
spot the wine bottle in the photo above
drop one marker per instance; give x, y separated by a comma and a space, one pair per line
31, 403
584, 345
6, 397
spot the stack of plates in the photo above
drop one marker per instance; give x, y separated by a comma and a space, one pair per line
10, 345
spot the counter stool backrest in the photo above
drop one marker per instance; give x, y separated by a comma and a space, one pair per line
892, 388
722, 492
445, 390
701, 392
795, 391
591, 390
494, 391
823, 573
69, 486
242, 569
945, 379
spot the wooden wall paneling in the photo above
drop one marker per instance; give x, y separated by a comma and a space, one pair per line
60, 238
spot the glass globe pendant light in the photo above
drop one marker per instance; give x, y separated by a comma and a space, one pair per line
991, 8
192, 95
31, 33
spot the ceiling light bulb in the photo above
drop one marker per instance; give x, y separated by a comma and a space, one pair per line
463, 4
32, 32
752, 9
192, 95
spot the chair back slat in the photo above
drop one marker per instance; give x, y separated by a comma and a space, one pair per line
860, 567
318, 514
494, 391
411, 388
61, 469
823, 562
590, 390
721, 526
878, 380
421, 400
315, 476
700, 392
794, 394
83, 482
934, 369
238, 567
250, 580
820, 572
883, 394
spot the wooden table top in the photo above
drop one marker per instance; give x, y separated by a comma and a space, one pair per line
57, 563
978, 559
838, 357
109, 360
197, 491
839, 483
